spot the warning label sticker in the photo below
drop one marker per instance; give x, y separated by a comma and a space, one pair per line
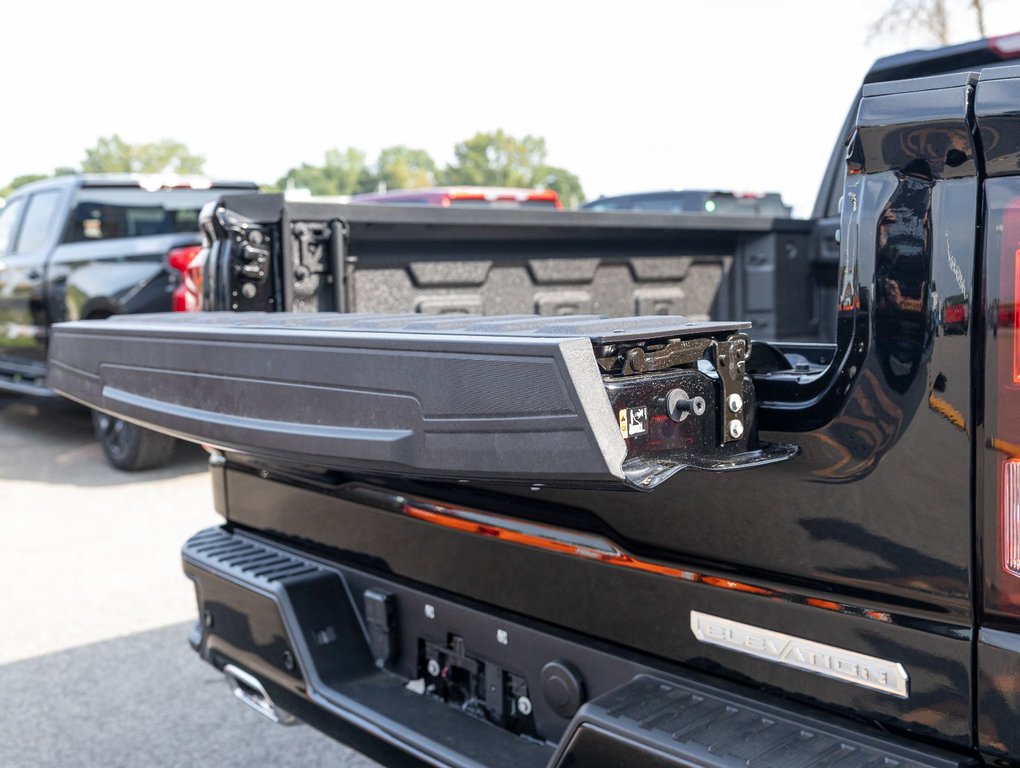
633, 421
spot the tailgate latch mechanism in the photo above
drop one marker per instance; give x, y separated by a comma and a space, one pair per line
674, 353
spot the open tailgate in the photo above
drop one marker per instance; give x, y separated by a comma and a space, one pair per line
525, 399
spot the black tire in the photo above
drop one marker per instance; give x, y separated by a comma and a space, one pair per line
130, 447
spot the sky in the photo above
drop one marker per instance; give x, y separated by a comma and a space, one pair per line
630, 96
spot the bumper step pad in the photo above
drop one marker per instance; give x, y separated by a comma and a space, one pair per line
676, 724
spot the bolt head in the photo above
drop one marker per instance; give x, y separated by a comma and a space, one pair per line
734, 402
502, 637
430, 611
433, 668
736, 429
524, 705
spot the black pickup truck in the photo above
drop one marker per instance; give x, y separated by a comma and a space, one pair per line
514, 540
89, 246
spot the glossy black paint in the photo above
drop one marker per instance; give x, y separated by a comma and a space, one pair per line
998, 117
129, 278
998, 700
897, 405
244, 626
643, 610
974, 56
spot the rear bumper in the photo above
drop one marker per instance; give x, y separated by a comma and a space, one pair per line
458, 685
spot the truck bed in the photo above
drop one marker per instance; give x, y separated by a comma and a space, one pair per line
266, 254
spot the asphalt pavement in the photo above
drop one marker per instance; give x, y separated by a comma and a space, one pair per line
95, 668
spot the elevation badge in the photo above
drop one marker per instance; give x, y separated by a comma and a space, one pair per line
849, 666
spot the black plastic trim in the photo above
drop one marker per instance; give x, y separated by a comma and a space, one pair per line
637, 711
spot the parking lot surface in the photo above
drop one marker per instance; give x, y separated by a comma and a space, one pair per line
95, 668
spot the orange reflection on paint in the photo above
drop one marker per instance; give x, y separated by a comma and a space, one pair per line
826, 604
592, 547
602, 551
736, 586
611, 555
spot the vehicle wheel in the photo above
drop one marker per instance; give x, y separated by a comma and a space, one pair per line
130, 447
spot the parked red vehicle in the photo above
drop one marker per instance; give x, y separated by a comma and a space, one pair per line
456, 197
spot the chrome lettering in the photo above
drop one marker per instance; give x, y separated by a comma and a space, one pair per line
801, 653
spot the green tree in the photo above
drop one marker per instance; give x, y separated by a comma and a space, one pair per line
310, 177
343, 173
495, 159
112, 154
400, 167
28, 178
486, 159
20, 181
566, 184
498, 159
348, 170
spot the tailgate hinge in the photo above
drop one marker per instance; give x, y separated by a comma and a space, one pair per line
731, 364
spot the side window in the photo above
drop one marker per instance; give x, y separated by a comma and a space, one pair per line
102, 213
10, 215
39, 221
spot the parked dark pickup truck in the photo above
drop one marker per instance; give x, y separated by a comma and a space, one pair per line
769, 204
645, 541
88, 247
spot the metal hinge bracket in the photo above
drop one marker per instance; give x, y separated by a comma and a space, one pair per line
731, 364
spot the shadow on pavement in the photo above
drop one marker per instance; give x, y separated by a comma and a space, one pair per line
50, 440
144, 700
